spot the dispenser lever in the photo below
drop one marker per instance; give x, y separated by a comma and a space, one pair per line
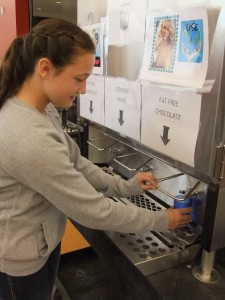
166, 193
191, 190
169, 177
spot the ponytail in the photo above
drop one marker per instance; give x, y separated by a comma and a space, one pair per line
11, 71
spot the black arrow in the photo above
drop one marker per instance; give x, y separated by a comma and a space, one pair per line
91, 107
165, 135
121, 121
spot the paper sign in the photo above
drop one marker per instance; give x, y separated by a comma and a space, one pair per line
170, 122
123, 106
96, 33
126, 21
92, 103
176, 47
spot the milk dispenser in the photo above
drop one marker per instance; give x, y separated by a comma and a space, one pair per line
198, 182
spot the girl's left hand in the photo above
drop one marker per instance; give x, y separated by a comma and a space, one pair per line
147, 181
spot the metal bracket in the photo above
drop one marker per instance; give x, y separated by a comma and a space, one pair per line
219, 164
132, 161
102, 143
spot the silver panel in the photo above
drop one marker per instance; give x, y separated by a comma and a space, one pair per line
218, 236
212, 130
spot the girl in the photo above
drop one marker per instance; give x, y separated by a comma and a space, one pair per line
43, 177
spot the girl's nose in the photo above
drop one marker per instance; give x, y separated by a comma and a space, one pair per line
82, 91
82, 88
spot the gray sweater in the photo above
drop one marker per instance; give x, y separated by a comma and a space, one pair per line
44, 180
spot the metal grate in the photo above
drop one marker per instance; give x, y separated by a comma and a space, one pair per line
145, 202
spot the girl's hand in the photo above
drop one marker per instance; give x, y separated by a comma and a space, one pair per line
147, 181
179, 217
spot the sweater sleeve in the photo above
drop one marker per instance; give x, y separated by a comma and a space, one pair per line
101, 181
41, 162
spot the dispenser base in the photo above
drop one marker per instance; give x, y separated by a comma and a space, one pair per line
198, 274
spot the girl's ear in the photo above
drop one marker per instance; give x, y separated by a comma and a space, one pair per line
45, 68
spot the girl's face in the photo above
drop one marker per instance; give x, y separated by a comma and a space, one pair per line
61, 88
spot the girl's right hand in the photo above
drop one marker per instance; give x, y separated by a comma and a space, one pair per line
179, 217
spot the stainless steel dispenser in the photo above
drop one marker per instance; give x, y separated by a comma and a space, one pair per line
157, 251
154, 251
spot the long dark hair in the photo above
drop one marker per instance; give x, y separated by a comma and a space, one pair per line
58, 40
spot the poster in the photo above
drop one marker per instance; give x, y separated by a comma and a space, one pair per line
123, 106
170, 122
96, 33
176, 47
92, 102
126, 21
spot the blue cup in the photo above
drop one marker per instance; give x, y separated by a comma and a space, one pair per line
191, 201
179, 202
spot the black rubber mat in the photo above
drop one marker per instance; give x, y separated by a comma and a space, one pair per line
85, 276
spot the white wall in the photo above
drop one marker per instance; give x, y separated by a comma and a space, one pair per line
85, 7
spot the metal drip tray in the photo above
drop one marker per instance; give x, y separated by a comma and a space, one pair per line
149, 254
152, 252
